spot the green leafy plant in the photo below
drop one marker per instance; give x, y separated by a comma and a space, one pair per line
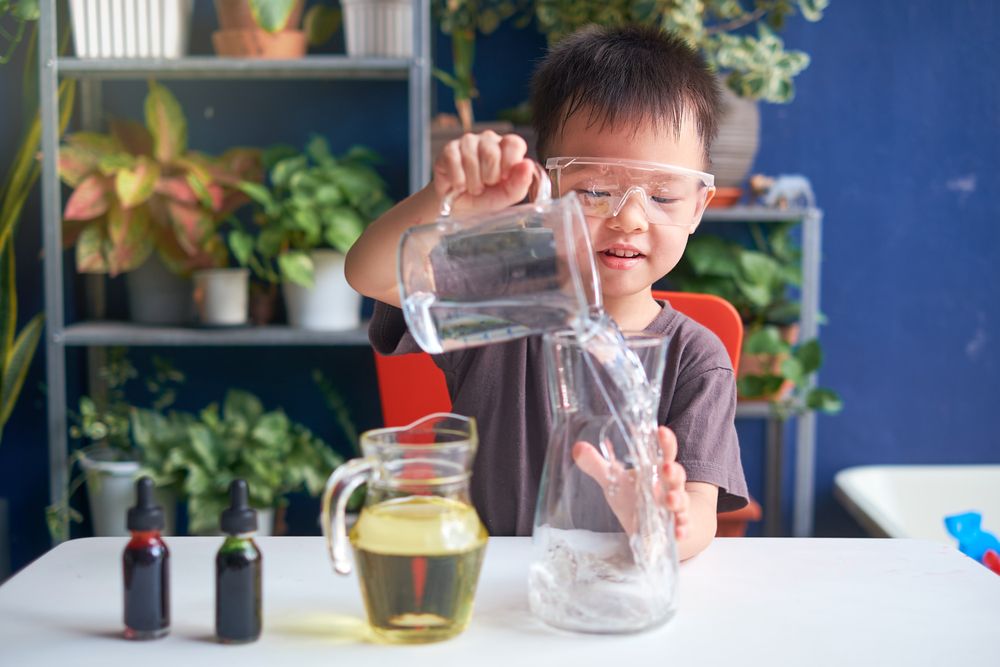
755, 66
201, 454
760, 281
320, 21
17, 348
315, 200
15, 16
140, 188
462, 19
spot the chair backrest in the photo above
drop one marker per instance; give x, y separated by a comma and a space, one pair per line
411, 385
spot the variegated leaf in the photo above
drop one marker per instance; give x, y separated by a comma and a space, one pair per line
131, 242
166, 124
89, 200
75, 164
135, 186
91, 250
133, 137
191, 226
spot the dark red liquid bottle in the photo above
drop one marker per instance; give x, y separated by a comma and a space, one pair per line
146, 566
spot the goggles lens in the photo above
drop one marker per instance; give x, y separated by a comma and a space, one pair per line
668, 195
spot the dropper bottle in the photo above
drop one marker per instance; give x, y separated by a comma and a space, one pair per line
237, 572
146, 566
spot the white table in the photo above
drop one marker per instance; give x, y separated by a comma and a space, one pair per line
743, 602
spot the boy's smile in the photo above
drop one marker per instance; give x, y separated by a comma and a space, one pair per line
632, 254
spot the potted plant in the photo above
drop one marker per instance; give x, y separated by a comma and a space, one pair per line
759, 281
110, 458
140, 189
316, 207
752, 67
134, 29
203, 453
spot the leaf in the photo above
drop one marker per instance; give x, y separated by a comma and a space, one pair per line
283, 171
758, 268
756, 386
91, 250
362, 155
89, 200
95, 142
810, 356
132, 136
296, 267
791, 368
191, 225
272, 15
825, 400
711, 255
75, 164
130, 240
166, 123
177, 189
135, 186
259, 194
343, 227
8, 303
203, 445
272, 430
321, 23
241, 243
111, 164
242, 406
766, 340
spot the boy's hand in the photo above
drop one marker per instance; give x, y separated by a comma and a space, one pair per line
670, 491
490, 170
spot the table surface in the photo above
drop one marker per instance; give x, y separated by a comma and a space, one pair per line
743, 601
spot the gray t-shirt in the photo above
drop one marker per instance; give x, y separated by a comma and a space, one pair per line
503, 387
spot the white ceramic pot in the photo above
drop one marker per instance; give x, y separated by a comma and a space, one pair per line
130, 28
734, 150
111, 491
331, 304
222, 296
381, 28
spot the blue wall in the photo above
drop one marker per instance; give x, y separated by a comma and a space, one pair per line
896, 123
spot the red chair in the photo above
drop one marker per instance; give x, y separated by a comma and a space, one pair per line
399, 378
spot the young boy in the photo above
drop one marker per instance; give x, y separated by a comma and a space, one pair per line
625, 118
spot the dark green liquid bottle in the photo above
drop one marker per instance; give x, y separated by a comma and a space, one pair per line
238, 572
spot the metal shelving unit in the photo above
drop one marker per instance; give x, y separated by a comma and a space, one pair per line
811, 220
416, 71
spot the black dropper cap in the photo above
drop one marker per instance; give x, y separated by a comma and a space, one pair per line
239, 517
146, 515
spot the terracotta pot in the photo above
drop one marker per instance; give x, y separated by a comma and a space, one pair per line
769, 364
257, 43
236, 15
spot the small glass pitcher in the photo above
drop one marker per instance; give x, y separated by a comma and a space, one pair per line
418, 542
605, 557
494, 277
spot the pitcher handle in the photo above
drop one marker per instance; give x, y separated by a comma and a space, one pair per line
539, 178
339, 487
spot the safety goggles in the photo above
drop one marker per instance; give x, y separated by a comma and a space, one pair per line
669, 195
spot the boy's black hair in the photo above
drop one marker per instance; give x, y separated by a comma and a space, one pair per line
631, 73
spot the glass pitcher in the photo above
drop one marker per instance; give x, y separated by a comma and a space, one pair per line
418, 542
605, 558
494, 277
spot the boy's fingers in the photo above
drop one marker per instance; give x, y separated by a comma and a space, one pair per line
489, 158
512, 151
591, 462
469, 144
448, 173
668, 444
518, 181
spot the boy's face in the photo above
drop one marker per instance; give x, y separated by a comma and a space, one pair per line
659, 246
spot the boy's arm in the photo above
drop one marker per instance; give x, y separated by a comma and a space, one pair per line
492, 172
702, 500
371, 261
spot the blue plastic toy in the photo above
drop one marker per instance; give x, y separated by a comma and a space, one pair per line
973, 541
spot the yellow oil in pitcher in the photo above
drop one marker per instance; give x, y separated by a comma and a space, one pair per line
418, 560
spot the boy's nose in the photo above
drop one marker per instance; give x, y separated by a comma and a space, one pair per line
630, 214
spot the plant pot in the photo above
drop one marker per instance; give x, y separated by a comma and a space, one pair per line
221, 296
236, 15
263, 302
257, 43
111, 491
379, 28
769, 364
158, 296
130, 28
734, 150
331, 304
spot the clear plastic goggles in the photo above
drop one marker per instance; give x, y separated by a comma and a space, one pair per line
669, 195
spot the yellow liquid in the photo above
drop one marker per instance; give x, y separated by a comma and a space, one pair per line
418, 561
